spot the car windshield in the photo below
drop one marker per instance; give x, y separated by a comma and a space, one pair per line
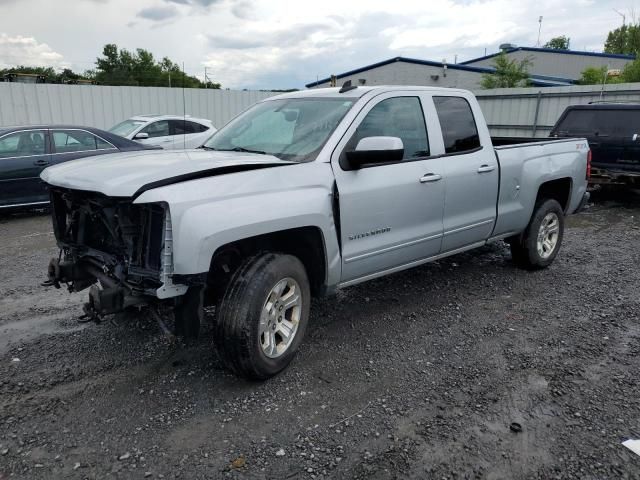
125, 128
293, 129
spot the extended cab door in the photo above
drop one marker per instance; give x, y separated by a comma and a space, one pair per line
23, 156
390, 214
471, 172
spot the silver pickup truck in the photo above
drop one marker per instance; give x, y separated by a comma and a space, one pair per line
299, 195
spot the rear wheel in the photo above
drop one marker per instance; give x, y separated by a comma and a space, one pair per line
540, 242
263, 315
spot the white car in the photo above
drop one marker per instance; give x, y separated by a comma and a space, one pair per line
171, 132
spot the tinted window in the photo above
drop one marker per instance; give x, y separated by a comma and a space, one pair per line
157, 129
458, 126
182, 127
21, 144
66, 141
101, 144
613, 123
396, 117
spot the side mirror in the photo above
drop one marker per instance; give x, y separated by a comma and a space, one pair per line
376, 150
141, 136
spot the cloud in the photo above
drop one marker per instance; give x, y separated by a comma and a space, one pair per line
256, 39
194, 3
19, 50
244, 10
158, 14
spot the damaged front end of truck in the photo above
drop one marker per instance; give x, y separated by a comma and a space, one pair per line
122, 252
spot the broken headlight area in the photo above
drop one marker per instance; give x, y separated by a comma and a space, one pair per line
124, 247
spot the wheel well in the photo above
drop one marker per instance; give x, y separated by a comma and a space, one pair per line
306, 243
559, 190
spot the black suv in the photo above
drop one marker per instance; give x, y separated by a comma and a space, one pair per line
613, 132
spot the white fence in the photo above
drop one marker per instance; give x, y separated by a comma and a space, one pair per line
532, 112
522, 112
102, 107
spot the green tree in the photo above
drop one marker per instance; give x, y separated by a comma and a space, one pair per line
592, 75
624, 40
631, 72
599, 75
558, 43
51, 76
508, 73
122, 67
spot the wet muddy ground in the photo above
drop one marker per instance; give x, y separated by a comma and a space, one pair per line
416, 375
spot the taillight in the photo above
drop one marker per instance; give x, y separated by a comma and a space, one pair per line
589, 164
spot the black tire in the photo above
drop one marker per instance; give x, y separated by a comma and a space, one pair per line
189, 313
237, 333
524, 248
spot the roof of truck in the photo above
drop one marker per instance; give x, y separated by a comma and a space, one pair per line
357, 92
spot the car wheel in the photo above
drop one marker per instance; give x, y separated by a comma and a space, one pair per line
541, 241
263, 315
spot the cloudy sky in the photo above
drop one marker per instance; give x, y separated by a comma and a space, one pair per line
286, 44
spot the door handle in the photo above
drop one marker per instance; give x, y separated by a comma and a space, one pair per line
41, 163
486, 168
430, 177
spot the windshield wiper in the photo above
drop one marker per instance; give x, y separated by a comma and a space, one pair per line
241, 149
204, 147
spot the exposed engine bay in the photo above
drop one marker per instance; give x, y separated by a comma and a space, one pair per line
124, 247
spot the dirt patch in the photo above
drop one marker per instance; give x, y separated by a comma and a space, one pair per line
417, 375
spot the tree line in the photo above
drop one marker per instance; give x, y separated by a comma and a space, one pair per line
122, 67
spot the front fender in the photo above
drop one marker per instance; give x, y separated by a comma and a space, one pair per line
211, 212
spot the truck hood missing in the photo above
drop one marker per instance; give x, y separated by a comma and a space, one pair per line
129, 174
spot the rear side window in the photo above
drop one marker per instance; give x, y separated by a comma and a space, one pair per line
67, 141
400, 117
600, 122
458, 126
185, 127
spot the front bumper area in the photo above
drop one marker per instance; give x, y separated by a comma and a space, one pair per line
125, 248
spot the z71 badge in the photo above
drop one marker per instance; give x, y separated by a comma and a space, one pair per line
377, 231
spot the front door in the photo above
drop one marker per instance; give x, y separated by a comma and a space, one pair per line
23, 156
472, 175
391, 214
159, 134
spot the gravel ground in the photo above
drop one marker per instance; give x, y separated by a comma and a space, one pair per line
417, 375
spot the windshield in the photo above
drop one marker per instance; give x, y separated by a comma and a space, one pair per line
125, 128
290, 129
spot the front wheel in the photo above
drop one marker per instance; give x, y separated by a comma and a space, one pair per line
263, 315
540, 242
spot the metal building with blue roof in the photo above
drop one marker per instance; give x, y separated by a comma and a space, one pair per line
549, 68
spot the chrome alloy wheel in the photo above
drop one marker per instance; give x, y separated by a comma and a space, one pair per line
280, 317
548, 235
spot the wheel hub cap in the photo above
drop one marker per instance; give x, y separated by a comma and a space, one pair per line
280, 317
548, 235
